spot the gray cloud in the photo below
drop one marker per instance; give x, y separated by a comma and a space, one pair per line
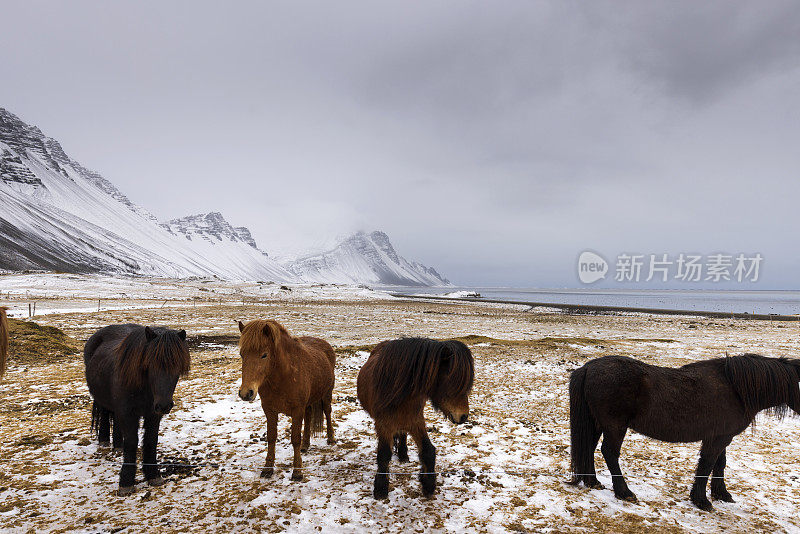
701, 51
493, 141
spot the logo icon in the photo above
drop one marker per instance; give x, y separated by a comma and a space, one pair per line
591, 267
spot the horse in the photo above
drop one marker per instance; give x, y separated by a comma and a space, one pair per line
3, 340
393, 385
293, 376
710, 401
132, 371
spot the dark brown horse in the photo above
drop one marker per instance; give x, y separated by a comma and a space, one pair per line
132, 371
710, 401
3, 340
393, 385
293, 376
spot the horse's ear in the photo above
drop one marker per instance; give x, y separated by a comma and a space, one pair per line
241, 326
149, 334
182, 335
267, 331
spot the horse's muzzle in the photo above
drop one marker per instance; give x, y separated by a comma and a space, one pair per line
248, 395
458, 420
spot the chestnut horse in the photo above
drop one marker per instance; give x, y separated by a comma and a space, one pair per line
132, 371
3, 340
710, 401
393, 385
293, 376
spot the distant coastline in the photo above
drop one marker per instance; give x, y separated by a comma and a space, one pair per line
761, 304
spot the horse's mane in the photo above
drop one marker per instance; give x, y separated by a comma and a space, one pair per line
409, 367
136, 354
264, 335
3, 340
764, 383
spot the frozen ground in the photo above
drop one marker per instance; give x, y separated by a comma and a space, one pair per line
504, 471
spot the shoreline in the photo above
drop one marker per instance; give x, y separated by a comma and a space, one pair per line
599, 308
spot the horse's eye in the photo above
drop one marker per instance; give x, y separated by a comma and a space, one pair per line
263, 356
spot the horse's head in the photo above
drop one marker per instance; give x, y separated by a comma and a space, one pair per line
258, 344
454, 382
155, 358
167, 354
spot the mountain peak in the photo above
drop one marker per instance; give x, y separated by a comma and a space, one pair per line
366, 258
211, 227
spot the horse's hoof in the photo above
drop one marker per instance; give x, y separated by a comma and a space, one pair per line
303, 449
267, 472
428, 487
157, 481
125, 490
403, 459
104, 444
722, 496
331, 441
297, 475
627, 496
381, 490
597, 486
704, 504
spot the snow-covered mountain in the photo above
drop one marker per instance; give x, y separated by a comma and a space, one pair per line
56, 214
365, 258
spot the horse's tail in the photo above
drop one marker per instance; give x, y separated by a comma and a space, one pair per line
91, 345
317, 418
584, 432
3, 340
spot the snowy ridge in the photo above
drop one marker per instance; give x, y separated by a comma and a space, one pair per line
211, 227
365, 258
59, 215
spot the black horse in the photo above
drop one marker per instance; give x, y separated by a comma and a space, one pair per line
132, 371
710, 401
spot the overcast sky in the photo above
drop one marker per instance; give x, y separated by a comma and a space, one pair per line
492, 140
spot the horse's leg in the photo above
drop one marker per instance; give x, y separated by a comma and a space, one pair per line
718, 489
380, 489
401, 446
306, 430
709, 453
612, 444
427, 459
589, 477
326, 407
104, 428
116, 432
130, 442
149, 445
297, 423
272, 436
